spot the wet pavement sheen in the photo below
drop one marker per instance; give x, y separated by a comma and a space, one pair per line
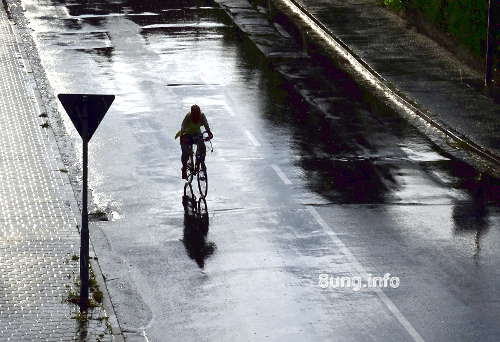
292, 194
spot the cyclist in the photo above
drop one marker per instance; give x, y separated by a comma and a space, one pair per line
190, 134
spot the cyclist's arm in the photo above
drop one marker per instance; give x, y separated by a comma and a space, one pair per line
183, 127
184, 123
204, 122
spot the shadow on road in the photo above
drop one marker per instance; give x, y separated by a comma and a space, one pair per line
196, 223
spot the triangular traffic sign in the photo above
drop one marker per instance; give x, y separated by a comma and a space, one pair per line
93, 107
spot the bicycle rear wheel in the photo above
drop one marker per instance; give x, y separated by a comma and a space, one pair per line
202, 180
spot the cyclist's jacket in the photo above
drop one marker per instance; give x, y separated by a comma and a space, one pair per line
192, 128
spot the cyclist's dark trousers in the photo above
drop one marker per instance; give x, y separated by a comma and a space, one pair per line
187, 148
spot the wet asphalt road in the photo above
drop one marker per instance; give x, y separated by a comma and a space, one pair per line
288, 200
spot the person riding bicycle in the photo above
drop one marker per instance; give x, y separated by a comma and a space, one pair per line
190, 134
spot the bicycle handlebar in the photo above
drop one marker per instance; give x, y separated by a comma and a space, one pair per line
205, 138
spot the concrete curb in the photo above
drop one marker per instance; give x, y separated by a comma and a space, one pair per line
70, 194
387, 94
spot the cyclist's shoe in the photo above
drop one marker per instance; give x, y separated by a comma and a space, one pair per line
184, 173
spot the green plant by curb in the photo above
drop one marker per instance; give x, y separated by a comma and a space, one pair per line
97, 295
396, 5
95, 312
73, 297
466, 20
80, 317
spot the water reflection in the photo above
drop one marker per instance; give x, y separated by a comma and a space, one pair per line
96, 13
352, 153
196, 223
472, 217
342, 150
86, 28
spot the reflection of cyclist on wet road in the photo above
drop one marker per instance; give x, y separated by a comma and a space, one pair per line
196, 231
190, 134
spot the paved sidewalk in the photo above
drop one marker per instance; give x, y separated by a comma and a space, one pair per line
38, 227
423, 72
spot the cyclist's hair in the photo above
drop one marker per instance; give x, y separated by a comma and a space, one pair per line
195, 109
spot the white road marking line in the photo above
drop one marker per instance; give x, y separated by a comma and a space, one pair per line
360, 269
229, 110
252, 138
144, 335
280, 173
205, 79
230, 97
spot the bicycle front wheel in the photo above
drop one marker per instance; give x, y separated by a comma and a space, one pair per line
203, 181
190, 169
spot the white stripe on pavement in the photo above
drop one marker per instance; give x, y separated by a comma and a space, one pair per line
280, 173
252, 138
205, 79
360, 269
229, 110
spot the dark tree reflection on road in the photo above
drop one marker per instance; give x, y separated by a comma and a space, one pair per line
471, 217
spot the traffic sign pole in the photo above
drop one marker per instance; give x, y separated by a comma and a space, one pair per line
84, 244
86, 112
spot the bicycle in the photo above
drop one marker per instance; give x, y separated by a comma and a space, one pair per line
197, 167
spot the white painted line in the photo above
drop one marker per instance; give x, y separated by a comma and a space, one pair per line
360, 269
145, 336
230, 97
252, 138
280, 173
229, 110
205, 80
